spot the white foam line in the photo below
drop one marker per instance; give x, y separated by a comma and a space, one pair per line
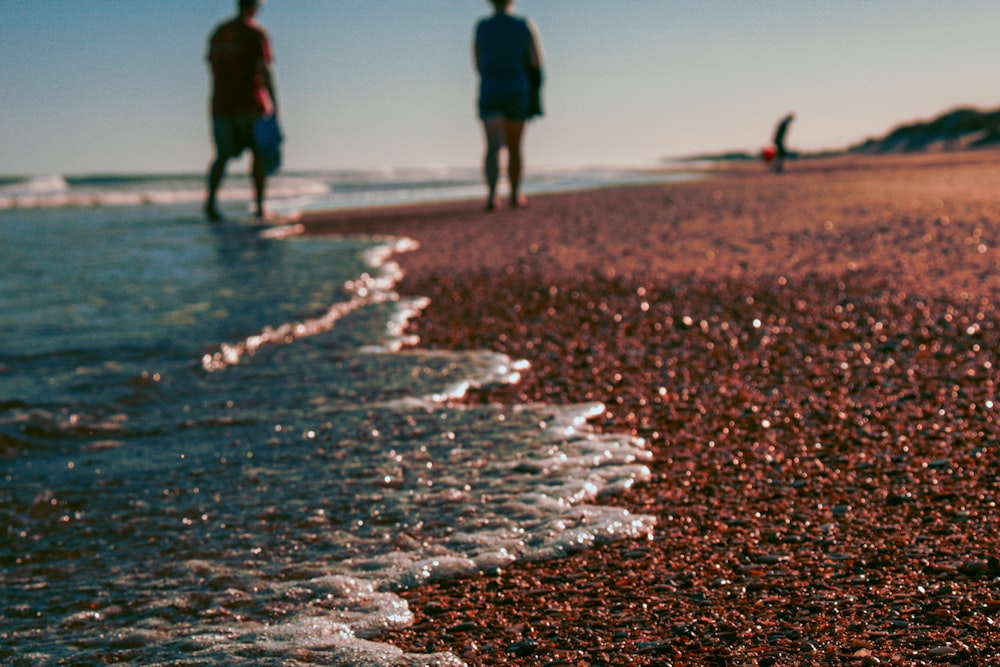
502, 371
283, 231
367, 289
230, 354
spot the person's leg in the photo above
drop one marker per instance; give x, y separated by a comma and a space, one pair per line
259, 181
215, 175
224, 138
514, 132
493, 128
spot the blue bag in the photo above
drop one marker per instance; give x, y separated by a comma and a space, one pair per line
267, 137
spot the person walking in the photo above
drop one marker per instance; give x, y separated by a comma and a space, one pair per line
508, 58
243, 91
780, 152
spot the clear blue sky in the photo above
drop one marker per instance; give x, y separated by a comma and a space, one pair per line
121, 85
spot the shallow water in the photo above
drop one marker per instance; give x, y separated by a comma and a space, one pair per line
217, 449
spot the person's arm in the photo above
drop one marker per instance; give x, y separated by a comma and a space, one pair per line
475, 49
535, 76
535, 58
265, 78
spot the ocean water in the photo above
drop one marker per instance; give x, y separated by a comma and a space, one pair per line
218, 447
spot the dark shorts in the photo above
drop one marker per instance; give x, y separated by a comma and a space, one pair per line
510, 105
233, 134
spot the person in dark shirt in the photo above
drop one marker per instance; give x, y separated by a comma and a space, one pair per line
239, 54
508, 58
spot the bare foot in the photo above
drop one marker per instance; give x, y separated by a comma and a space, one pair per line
212, 214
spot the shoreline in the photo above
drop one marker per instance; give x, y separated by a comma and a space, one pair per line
810, 358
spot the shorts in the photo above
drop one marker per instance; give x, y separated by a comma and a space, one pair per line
233, 133
511, 105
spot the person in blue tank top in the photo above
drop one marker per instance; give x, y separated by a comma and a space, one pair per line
508, 57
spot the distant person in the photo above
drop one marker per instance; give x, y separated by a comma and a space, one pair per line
508, 57
780, 152
243, 91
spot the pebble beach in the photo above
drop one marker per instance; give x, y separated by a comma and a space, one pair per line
812, 360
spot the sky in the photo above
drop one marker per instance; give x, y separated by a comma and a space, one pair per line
121, 86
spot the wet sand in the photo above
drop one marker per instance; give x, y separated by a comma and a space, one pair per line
811, 358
